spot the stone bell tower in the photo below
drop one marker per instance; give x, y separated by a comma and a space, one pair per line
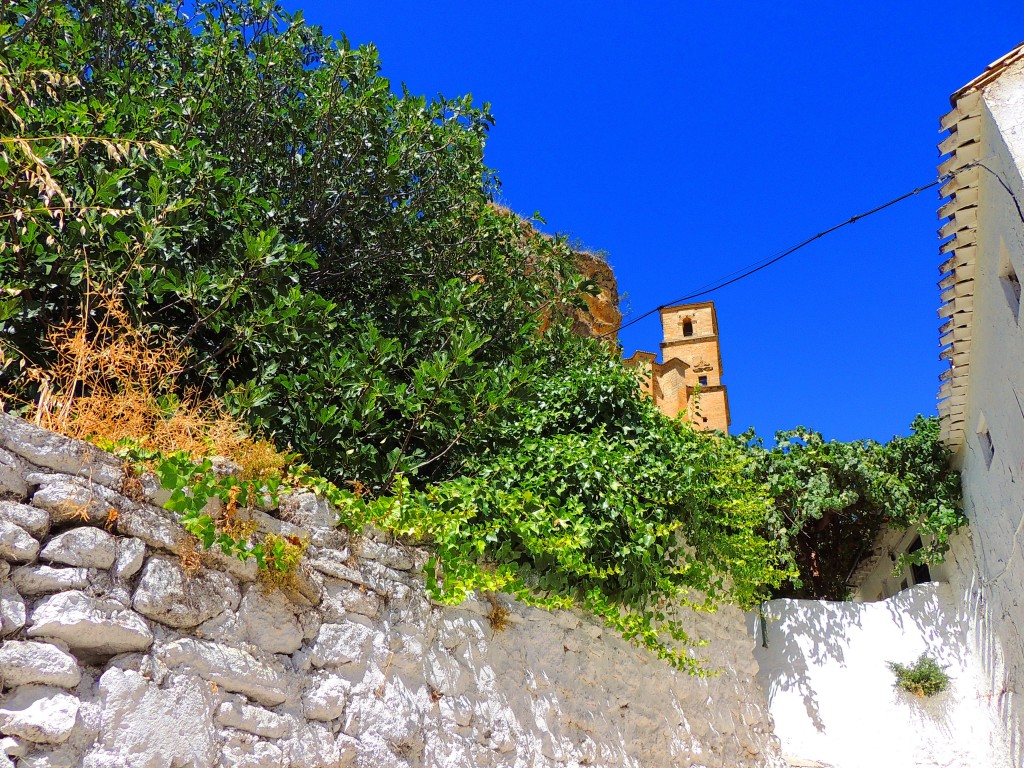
688, 380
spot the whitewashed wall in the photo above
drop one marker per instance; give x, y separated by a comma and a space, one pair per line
113, 657
994, 491
832, 696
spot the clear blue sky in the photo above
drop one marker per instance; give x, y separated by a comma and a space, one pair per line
689, 139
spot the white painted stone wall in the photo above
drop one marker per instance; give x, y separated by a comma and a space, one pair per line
113, 657
833, 698
994, 490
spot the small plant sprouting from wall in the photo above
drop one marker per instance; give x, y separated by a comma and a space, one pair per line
925, 677
499, 614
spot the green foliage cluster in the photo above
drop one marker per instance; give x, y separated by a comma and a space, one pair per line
590, 496
832, 498
325, 251
193, 482
925, 677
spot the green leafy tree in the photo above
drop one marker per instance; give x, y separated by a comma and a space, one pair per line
324, 248
832, 499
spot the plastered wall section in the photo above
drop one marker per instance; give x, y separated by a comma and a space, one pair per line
880, 578
833, 697
992, 457
114, 656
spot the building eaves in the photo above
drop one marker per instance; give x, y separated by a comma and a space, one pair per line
958, 213
992, 72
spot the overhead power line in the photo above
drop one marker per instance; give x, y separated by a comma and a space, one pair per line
757, 266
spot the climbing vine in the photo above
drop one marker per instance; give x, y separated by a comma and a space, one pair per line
212, 505
832, 498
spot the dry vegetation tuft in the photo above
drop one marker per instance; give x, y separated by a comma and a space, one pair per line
190, 556
113, 382
499, 614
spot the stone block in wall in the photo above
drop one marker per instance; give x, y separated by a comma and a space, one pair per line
167, 595
148, 726
338, 644
34, 580
274, 525
71, 501
13, 747
315, 745
255, 720
12, 476
35, 521
61, 757
58, 453
152, 491
388, 555
16, 544
153, 526
243, 570
81, 547
337, 564
381, 578
26, 662
392, 714
305, 586
240, 751
143, 663
262, 680
92, 627
131, 553
39, 713
308, 510
12, 609
341, 598
325, 696
445, 675
408, 642
310, 621
267, 621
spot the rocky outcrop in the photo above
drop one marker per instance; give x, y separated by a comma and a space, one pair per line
114, 654
603, 316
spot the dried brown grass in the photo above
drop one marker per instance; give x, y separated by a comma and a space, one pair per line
113, 382
190, 556
499, 614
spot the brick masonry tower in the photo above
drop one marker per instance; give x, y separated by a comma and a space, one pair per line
691, 361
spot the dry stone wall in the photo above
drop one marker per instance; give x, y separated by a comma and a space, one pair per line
115, 656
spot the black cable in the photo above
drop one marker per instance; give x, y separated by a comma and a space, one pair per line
1002, 183
718, 285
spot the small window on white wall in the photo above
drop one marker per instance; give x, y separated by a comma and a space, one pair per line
988, 448
1009, 280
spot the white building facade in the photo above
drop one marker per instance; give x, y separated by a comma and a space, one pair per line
982, 397
823, 665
